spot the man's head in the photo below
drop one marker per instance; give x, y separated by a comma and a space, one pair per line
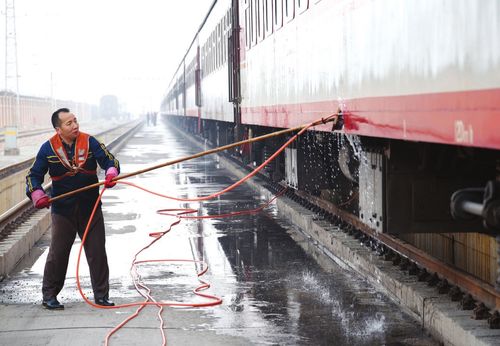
65, 124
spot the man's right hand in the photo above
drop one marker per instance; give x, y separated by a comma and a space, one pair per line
40, 199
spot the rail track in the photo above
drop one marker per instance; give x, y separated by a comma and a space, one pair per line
17, 215
29, 133
471, 293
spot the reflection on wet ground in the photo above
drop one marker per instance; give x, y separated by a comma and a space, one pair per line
277, 288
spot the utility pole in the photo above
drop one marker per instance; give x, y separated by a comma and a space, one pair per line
12, 109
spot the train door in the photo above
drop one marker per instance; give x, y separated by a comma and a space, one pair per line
233, 60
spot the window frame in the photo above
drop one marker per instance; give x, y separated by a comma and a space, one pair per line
301, 6
278, 14
254, 21
288, 10
268, 15
248, 25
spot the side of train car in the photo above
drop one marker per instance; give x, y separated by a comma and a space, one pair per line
417, 85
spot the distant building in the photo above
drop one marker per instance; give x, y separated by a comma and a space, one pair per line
108, 107
35, 112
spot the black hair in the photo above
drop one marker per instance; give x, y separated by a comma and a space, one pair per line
56, 122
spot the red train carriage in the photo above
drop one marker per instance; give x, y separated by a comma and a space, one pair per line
417, 84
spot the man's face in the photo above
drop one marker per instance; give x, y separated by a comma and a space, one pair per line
68, 128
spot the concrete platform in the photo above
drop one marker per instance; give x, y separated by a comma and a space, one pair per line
78, 325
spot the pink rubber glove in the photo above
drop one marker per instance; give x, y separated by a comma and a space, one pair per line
111, 173
40, 199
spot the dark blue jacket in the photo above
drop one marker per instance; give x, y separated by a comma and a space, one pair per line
47, 160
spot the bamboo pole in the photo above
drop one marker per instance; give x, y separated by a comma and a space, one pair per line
200, 154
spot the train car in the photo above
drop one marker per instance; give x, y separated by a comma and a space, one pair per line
416, 85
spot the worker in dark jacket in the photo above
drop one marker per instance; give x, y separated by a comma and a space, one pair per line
71, 158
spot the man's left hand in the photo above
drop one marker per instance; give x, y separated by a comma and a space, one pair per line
111, 173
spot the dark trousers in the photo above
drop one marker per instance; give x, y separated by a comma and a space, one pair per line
64, 230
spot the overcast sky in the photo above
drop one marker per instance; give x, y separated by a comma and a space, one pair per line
96, 47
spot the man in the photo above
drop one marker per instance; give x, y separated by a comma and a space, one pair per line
71, 158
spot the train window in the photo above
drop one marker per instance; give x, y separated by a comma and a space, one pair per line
216, 53
247, 25
278, 14
260, 19
268, 17
217, 46
191, 73
289, 10
202, 58
209, 55
221, 44
214, 44
301, 5
211, 52
254, 10
207, 63
207, 59
223, 50
212, 68
222, 41
176, 96
227, 44
224, 44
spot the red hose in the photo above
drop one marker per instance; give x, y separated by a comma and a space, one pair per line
141, 288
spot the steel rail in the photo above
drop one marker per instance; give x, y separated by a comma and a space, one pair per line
23, 134
16, 211
30, 133
19, 166
479, 290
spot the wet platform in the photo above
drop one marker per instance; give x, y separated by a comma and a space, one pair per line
276, 287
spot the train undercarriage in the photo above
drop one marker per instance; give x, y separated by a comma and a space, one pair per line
384, 187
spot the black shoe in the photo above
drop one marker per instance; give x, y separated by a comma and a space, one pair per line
104, 302
52, 304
